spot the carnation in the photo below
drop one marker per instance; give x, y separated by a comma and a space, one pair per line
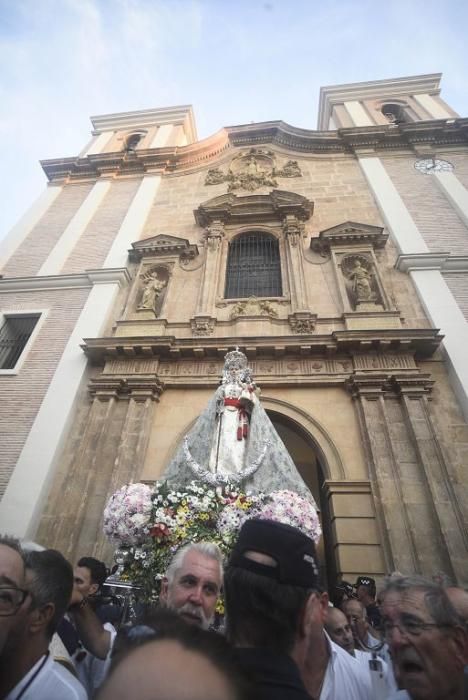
289, 508
127, 514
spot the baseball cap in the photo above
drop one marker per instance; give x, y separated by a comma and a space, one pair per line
293, 552
364, 581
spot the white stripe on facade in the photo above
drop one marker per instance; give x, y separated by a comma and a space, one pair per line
99, 143
27, 222
435, 296
133, 223
455, 192
29, 484
162, 137
358, 114
76, 227
435, 110
391, 206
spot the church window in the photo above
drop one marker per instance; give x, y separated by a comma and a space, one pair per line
393, 113
253, 267
132, 141
15, 332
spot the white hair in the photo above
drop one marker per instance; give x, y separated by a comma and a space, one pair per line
207, 549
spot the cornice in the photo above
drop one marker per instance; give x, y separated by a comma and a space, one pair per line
422, 342
445, 262
116, 275
257, 208
349, 233
451, 132
432, 133
386, 89
182, 114
162, 245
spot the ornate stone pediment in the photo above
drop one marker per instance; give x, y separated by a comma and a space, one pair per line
257, 208
162, 245
349, 233
252, 169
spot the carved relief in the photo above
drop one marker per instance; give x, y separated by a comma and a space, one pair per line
293, 229
253, 307
202, 325
301, 323
251, 170
360, 280
152, 288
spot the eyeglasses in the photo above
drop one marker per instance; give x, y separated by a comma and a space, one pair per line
11, 599
410, 628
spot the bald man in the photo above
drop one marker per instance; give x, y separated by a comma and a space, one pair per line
165, 669
459, 599
339, 630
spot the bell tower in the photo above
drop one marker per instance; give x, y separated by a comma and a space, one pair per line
380, 102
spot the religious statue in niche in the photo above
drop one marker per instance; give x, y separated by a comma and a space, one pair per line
360, 280
252, 169
153, 286
234, 441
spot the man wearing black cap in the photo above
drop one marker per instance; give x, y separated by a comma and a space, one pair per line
269, 587
275, 616
365, 591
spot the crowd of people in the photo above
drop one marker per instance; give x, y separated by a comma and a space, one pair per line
60, 639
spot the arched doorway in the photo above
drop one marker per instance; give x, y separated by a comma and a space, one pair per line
305, 456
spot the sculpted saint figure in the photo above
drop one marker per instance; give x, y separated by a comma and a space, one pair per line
361, 279
151, 292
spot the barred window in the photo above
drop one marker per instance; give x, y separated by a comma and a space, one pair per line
253, 267
15, 332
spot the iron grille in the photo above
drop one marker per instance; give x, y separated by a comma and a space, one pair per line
14, 334
253, 267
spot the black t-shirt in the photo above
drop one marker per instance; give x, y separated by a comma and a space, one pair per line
275, 676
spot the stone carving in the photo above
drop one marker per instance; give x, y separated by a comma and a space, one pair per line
152, 289
289, 169
214, 177
293, 229
202, 325
360, 280
302, 325
253, 307
251, 170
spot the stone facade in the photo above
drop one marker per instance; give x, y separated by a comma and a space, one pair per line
353, 373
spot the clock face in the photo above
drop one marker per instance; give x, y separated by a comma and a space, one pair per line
433, 165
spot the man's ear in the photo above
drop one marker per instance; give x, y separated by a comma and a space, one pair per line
324, 605
460, 645
93, 589
164, 590
40, 617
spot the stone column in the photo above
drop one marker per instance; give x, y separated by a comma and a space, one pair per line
293, 231
395, 532
128, 464
205, 316
412, 488
449, 519
348, 520
68, 503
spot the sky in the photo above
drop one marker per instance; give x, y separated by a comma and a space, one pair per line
236, 62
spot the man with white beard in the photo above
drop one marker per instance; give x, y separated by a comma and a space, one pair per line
192, 583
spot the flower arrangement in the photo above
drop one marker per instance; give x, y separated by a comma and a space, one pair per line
154, 523
291, 509
127, 514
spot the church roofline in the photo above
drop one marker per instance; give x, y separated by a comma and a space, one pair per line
182, 114
430, 134
387, 88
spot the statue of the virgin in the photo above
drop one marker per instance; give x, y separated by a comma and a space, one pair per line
233, 441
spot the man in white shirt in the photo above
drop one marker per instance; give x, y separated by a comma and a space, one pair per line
340, 632
328, 671
28, 671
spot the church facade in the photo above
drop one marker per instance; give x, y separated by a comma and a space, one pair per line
336, 259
